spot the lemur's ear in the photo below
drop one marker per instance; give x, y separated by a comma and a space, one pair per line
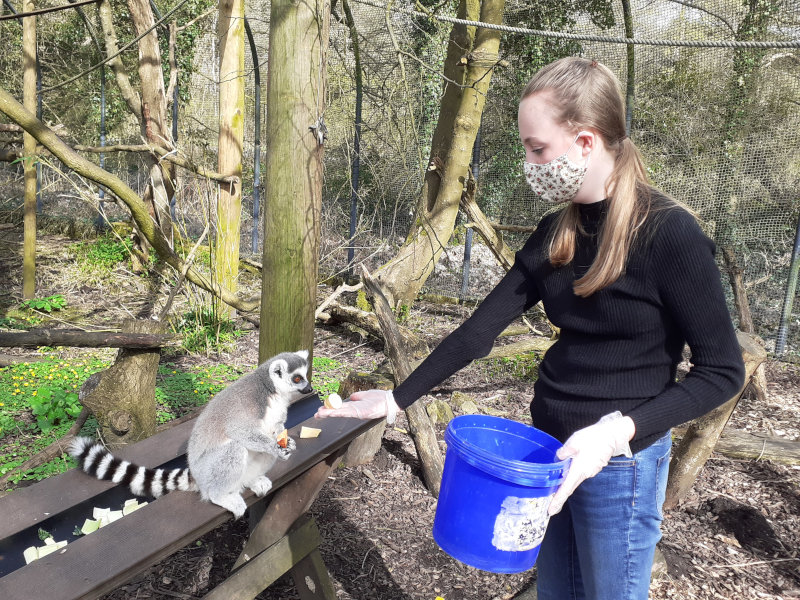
302, 354
278, 367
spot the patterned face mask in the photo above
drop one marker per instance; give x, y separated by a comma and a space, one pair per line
558, 180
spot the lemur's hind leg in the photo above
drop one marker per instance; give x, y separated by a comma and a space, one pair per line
219, 477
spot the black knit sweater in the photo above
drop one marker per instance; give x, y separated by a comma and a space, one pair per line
619, 348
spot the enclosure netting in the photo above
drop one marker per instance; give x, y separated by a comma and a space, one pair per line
717, 124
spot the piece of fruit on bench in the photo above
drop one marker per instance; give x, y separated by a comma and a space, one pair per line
309, 432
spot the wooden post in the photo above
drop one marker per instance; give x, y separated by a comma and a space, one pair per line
29, 151
703, 433
230, 31
293, 174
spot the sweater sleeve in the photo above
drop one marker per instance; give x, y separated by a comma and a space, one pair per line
688, 283
474, 338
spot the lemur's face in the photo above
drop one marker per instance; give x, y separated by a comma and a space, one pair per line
288, 374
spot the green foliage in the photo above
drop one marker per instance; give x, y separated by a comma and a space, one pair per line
102, 254
43, 534
47, 390
47, 304
178, 391
38, 405
52, 405
523, 366
402, 312
204, 331
326, 375
12, 323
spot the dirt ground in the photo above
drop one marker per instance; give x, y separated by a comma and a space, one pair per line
736, 535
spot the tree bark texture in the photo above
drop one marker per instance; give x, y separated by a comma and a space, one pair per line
293, 175
71, 159
154, 125
420, 426
481, 224
470, 61
703, 433
122, 397
29, 151
112, 48
230, 31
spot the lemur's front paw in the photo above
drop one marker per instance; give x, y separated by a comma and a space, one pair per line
291, 446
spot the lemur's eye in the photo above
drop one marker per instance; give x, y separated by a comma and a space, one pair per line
297, 379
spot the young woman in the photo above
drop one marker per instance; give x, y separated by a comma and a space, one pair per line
628, 277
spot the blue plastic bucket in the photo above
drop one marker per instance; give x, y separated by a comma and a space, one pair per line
498, 478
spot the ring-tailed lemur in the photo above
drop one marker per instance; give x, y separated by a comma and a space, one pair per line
232, 445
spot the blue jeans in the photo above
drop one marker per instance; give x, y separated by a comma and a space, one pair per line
600, 546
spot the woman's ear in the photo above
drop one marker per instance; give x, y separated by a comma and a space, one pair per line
586, 141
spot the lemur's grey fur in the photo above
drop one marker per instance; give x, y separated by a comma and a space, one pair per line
233, 443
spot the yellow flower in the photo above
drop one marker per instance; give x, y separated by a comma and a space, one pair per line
195, 391
25, 384
34, 392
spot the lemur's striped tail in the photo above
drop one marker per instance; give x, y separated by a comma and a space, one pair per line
98, 462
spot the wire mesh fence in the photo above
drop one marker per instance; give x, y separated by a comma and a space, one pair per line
716, 116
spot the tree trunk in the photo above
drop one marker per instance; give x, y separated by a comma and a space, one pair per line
703, 433
112, 48
29, 151
230, 30
293, 174
154, 126
471, 58
419, 424
122, 397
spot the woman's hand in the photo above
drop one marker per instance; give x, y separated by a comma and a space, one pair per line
590, 449
368, 404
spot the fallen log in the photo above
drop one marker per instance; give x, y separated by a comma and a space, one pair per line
83, 339
369, 323
540, 345
735, 443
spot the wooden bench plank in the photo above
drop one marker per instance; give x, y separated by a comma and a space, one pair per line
98, 563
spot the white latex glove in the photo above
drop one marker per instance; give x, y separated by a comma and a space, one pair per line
368, 404
590, 449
